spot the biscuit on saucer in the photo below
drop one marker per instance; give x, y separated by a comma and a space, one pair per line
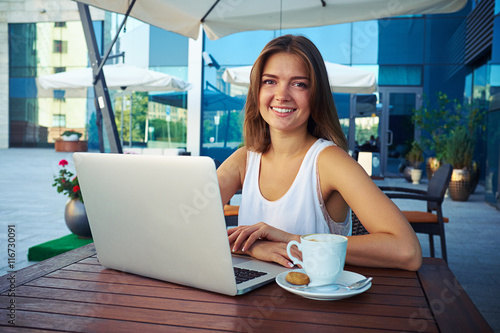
297, 278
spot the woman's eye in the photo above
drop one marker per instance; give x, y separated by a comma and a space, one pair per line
300, 84
268, 82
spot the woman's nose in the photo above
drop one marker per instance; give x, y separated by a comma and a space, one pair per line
282, 93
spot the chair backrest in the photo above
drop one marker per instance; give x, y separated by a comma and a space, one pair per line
438, 185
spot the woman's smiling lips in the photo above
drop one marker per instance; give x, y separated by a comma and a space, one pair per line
283, 110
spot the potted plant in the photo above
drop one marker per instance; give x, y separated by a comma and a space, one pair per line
415, 158
75, 215
71, 135
475, 126
459, 149
436, 122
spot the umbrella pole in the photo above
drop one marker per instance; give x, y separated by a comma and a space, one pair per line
100, 86
121, 122
130, 122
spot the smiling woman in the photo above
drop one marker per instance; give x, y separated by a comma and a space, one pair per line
284, 93
295, 174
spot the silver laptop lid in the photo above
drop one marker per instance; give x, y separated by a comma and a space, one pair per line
158, 216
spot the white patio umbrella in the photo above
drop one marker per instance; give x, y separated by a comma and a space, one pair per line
343, 79
126, 78
223, 17
120, 77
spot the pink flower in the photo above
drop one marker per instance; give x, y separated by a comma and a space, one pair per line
63, 162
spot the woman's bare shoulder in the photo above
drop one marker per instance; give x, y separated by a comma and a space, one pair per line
336, 165
334, 154
239, 156
236, 162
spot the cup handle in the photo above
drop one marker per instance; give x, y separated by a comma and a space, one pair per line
295, 261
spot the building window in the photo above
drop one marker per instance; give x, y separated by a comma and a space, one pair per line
60, 24
59, 95
400, 75
58, 120
60, 46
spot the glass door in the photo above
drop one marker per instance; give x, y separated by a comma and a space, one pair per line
397, 130
364, 135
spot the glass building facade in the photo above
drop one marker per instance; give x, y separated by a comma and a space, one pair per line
37, 116
413, 58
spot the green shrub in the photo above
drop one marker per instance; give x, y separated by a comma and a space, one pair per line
459, 148
416, 155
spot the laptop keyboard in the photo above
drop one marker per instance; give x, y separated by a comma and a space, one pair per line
243, 275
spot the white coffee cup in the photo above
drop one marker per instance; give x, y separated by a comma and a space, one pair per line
323, 256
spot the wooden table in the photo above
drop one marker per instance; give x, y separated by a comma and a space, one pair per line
73, 292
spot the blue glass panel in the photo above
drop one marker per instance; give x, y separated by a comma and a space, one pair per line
468, 89
167, 48
365, 42
343, 104
445, 40
400, 75
495, 47
480, 85
495, 77
98, 30
22, 37
448, 79
22, 88
401, 41
492, 157
333, 41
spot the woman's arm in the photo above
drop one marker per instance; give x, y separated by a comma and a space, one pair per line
392, 241
231, 174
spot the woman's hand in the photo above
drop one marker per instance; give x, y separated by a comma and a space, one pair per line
243, 237
273, 251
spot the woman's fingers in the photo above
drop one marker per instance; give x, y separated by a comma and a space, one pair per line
251, 240
243, 237
246, 238
283, 261
270, 251
245, 234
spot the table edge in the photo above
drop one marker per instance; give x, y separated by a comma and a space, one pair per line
451, 292
45, 267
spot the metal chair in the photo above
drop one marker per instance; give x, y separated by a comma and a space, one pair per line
231, 215
357, 227
427, 222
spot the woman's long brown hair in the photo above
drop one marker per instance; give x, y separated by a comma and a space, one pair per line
323, 121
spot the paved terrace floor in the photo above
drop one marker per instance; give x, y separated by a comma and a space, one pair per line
28, 201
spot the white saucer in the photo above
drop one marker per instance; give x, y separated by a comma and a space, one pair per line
325, 293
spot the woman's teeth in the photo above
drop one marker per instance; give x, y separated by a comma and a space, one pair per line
280, 110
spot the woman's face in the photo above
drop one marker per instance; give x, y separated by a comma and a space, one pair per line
284, 93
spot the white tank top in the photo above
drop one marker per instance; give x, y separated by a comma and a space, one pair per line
301, 210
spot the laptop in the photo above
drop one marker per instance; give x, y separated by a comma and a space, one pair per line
162, 217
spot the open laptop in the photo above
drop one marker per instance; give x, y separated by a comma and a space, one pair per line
162, 217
